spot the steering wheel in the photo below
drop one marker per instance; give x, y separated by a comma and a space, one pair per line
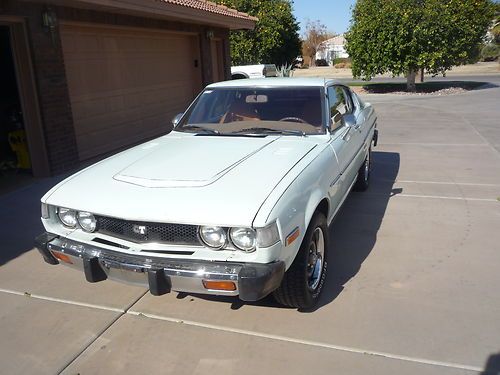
294, 119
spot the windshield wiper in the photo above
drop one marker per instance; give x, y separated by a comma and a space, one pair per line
206, 130
257, 130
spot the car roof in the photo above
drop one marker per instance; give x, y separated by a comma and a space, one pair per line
274, 82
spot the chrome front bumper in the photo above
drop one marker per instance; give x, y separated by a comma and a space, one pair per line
253, 281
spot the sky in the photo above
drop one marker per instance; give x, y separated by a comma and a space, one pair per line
334, 14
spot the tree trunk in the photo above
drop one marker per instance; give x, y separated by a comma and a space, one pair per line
422, 75
410, 81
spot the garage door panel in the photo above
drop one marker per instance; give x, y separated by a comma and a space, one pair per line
98, 111
134, 131
104, 122
95, 77
126, 85
102, 125
98, 75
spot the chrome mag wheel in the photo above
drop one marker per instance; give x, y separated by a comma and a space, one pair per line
367, 166
315, 259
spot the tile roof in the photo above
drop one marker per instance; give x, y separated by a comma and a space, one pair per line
211, 8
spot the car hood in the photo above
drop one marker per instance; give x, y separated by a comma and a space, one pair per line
189, 161
184, 178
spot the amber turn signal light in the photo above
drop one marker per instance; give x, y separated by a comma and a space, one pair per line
219, 285
292, 236
62, 257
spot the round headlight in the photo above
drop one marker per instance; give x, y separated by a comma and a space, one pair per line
243, 238
87, 221
67, 217
214, 237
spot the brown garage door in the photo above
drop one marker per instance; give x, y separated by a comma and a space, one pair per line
126, 84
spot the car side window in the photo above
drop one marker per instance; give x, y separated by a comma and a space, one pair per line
340, 105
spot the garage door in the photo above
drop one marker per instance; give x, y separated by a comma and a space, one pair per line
126, 84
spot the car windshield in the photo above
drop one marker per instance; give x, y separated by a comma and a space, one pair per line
286, 111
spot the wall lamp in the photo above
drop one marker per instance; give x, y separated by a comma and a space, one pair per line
49, 23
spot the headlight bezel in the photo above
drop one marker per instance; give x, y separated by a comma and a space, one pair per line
62, 211
247, 249
204, 241
78, 218
265, 237
87, 215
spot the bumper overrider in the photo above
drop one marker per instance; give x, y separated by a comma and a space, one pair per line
252, 281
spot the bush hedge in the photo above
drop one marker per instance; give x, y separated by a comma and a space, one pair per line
490, 52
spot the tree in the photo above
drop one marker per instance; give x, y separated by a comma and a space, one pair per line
403, 36
315, 33
490, 50
275, 38
495, 25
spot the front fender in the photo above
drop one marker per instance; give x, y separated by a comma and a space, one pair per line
317, 196
294, 202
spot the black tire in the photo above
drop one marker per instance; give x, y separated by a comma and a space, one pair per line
295, 289
363, 179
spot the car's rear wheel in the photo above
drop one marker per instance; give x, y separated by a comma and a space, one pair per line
363, 179
303, 282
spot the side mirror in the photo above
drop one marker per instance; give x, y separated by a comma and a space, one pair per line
349, 120
177, 119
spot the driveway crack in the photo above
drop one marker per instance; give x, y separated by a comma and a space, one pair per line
102, 332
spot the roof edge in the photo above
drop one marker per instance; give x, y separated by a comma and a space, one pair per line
166, 9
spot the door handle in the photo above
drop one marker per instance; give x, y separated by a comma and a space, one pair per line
347, 135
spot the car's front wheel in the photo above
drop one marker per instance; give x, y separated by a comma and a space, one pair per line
303, 282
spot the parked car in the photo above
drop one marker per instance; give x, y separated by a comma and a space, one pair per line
321, 62
235, 201
253, 71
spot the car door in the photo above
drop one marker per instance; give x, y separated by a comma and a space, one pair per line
345, 137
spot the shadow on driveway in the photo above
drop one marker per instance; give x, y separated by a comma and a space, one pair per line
492, 365
353, 233
20, 218
425, 87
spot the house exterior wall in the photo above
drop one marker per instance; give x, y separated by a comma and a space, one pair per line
331, 52
332, 48
50, 75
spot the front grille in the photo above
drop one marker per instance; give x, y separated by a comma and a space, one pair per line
141, 232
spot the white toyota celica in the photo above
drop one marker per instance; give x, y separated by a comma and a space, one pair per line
236, 200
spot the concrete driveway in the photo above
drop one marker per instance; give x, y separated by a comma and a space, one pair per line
413, 282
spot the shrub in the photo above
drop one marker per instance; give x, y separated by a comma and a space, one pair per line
496, 33
340, 60
490, 52
285, 71
343, 65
